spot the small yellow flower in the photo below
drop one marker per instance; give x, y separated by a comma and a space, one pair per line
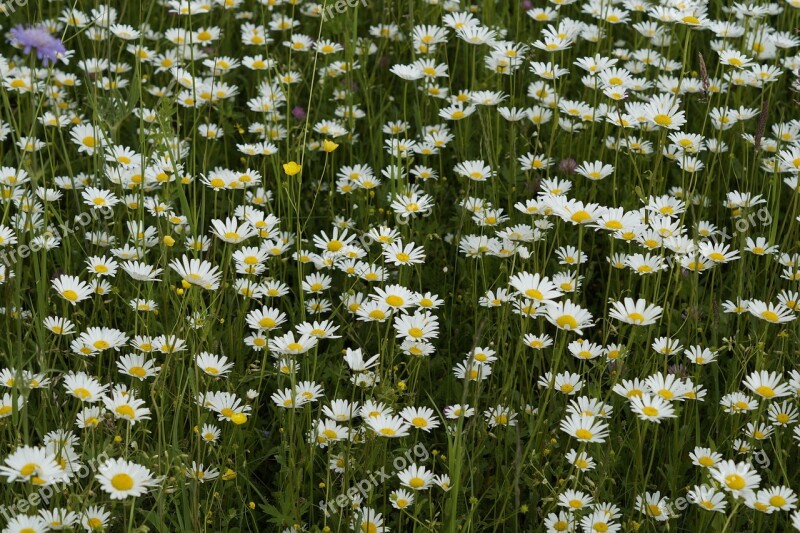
291, 168
252, 505
117, 439
329, 146
168, 240
229, 475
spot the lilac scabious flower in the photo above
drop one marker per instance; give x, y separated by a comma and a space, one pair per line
48, 48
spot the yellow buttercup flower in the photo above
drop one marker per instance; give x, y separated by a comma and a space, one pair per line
291, 168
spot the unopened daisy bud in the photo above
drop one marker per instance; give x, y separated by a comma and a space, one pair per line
329, 146
168, 240
291, 168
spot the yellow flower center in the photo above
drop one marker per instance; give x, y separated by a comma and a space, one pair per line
82, 393
395, 301
765, 391
125, 411
28, 469
567, 322
419, 422
662, 120
580, 216
535, 294
735, 482
70, 295
770, 316
650, 411
777, 501
637, 318
122, 482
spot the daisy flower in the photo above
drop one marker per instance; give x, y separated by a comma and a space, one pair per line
34, 464
584, 429
767, 385
213, 365
568, 316
638, 313
197, 272
416, 477
72, 289
776, 314
739, 479
121, 479
663, 111
652, 408
387, 425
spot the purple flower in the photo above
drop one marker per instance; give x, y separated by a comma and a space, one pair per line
568, 166
48, 48
299, 113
